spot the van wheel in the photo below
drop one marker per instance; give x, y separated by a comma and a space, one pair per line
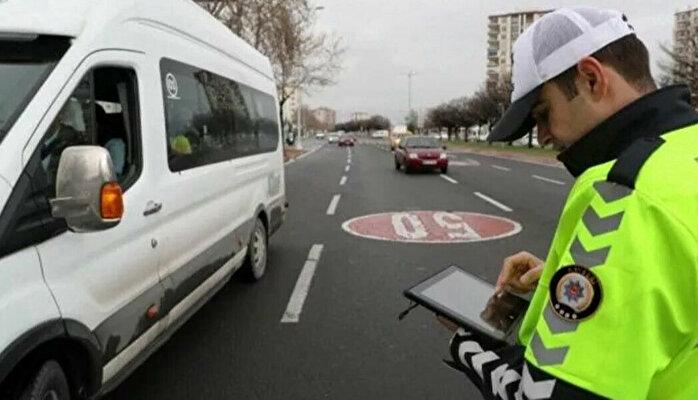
49, 383
256, 260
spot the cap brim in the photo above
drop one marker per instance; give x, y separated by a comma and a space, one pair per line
517, 119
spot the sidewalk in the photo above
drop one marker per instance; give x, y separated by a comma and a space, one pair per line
547, 159
291, 153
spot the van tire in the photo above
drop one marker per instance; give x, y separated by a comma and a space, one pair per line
48, 383
256, 260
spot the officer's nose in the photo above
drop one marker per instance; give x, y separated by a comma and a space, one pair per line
544, 136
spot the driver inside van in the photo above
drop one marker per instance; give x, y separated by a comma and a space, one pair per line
68, 129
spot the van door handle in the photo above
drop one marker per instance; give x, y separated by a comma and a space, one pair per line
151, 208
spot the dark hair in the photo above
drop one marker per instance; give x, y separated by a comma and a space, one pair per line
627, 55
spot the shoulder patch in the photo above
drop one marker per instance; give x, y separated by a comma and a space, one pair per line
575, 293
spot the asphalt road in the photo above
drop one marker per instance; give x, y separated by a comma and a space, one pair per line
347, 342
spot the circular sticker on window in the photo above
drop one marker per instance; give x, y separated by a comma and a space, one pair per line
575, 293
171, 86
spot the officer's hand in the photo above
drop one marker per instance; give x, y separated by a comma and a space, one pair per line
450, 325
520, 273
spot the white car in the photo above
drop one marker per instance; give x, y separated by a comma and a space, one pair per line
320, 136
333, 138
125, 199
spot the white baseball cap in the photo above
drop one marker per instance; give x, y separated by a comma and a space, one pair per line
549, 47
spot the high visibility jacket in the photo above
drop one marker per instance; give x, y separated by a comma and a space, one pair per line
615, 313
642, 245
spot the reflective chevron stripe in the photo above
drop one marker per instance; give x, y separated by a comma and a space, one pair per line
596, 225
547, 356
492, 373
556, 324
535, 390
480, 359
610, 191
599, 226
589, 259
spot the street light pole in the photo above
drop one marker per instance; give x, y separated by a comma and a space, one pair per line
409, 90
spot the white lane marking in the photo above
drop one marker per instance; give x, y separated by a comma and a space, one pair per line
333, 205
493, 202
300, 292
465, 163
542, 178
315, 252
349, 161
343, 181
500, 167
346, 169
448, 178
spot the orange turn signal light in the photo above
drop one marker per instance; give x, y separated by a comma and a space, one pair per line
112, 201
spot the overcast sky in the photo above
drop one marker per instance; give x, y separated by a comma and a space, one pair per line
444, 42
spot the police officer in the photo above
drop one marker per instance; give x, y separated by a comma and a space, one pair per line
615, 308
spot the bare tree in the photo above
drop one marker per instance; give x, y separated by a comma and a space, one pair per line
376, 122
682, 67
284, 31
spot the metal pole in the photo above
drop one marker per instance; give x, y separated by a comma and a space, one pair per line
409, 91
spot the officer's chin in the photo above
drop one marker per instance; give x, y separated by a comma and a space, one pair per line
559, 147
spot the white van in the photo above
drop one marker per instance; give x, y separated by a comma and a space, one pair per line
140, 167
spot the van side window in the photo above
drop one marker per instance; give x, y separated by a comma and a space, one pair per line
101, 111
210, 118
73, 126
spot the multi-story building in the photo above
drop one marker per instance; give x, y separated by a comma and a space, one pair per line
503, 30
325, 116
685, 29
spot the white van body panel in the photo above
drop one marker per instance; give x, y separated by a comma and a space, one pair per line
108, 280
24, 299
114, 266
46, 17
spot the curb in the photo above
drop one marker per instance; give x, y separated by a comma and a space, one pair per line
302, 156
501, 157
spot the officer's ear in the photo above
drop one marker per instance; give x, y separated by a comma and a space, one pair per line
592, 79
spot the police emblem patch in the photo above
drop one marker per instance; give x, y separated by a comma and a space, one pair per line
575, 293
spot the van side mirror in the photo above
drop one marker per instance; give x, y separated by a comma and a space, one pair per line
87, 195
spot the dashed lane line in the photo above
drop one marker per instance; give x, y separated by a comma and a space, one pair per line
343, 181
300, 292
499, 167
493, 202
448, 178
542, 178
333, 204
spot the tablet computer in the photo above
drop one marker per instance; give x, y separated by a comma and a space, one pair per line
468, 301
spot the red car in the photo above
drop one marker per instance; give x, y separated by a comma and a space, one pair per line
346, 140
421, 152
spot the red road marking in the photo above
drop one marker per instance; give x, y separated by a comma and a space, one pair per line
432, 227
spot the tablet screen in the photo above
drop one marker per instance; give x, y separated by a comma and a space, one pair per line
469, 301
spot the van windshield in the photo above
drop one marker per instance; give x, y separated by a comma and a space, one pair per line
25, 62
